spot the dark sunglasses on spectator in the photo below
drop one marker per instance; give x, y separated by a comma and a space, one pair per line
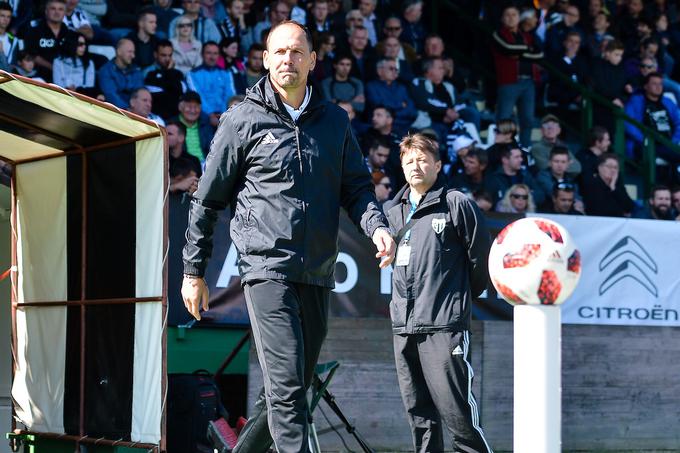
392, 28
647, 66
521, 197
569, 187
82, 43
185, 24
386, 185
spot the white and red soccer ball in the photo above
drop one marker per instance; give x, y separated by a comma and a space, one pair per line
534, 261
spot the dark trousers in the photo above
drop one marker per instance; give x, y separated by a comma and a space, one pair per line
289, 323
435, 379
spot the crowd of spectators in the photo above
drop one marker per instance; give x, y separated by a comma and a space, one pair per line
181, 63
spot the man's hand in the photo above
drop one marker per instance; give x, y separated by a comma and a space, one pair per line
195, 294
386, 247
215, 119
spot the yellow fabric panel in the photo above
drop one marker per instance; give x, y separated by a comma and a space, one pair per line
72, 107
17, 148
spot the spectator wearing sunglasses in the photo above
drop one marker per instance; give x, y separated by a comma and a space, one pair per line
563, 199
517, 200
186, 48
383, 186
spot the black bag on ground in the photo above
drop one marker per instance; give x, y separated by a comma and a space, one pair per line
193, 402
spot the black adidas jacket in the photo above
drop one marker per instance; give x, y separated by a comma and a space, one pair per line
448, 263
285, 183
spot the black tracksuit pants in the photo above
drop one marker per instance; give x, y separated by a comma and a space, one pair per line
435, 379
289, 323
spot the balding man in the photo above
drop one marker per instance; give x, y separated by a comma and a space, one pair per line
141, 104
119, 77
285, 161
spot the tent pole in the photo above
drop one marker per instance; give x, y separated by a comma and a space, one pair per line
14, 281
83, 294
164, 334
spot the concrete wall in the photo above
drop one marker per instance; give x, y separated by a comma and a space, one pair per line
620, 386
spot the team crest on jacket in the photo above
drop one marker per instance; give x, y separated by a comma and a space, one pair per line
438, 225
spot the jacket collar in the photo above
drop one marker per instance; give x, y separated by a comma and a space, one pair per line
264, 92
432, 196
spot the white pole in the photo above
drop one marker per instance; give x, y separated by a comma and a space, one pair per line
537, 379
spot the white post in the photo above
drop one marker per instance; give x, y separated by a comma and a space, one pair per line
537, 379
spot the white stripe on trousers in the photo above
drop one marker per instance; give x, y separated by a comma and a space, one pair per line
471, 398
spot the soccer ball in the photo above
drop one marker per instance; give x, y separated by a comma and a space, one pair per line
534, 261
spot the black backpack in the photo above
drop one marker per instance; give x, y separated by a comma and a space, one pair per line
193, 402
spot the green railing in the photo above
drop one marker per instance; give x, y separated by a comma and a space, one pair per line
647, 165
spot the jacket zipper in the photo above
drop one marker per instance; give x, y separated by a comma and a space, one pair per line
297, 142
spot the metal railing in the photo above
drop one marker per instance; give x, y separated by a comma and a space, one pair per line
646, 165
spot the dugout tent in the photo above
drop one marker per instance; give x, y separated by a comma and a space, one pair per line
88, 281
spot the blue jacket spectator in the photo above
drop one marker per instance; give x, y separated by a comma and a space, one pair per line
388, 92
214, 84
511, 172
657, 112
119, 77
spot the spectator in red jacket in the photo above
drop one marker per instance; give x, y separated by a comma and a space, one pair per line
514, 55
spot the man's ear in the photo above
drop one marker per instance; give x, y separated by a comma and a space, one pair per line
438, 165
313, 57
265, 59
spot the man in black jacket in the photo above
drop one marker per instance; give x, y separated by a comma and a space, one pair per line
285, 161
441, 265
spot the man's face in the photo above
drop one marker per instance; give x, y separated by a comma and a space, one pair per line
210, 55
650, 50
614, 56
572, 44
551, 130
366, 7
510, 17
190, 110
191, 6
559, 164
420, 169
236, 9
675, 199
164, 57
320, 12
392, 47
661, 202
343, 67
387, 71
378, 156
381, 119
55, 12
126, 52
141, 104
571, 16
608, 170
147, 23
436, 72
5, 18
634, 7
358, 40
647, 66
279, 13
654, 87
604, 144
601, 23
434, 47
255, 60
288, 57
472, 165
175, 136
563, 201
414, 12
392, 27
514, 160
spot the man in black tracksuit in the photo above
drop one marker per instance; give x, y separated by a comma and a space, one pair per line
441, 265
285, 161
